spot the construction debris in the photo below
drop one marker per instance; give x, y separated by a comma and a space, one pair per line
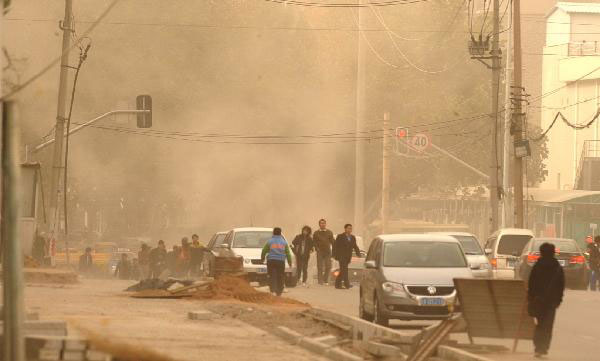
157, 284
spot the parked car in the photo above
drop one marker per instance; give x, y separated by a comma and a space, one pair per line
248, 243
569, 255
479, 263
410, 277
503, 249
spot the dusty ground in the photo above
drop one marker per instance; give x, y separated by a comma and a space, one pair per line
158, 324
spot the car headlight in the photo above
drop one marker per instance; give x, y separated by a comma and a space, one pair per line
393, 288
247, 261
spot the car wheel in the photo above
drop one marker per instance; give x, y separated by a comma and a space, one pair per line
378, 317
362, 313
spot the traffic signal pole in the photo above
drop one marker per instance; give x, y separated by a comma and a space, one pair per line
359, 176
495, 53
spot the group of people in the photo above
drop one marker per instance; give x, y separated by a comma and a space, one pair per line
181, 261
321, 241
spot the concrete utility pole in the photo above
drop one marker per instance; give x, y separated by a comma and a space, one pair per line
385, 174
517, 115
506, 201
495, 53
359, 177
57, 163
12, 261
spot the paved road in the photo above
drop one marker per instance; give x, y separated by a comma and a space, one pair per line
576, 336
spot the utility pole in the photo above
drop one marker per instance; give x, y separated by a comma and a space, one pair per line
57, 163
12, 261
518, 116
385, 174
495, 54
359, 176
506, 200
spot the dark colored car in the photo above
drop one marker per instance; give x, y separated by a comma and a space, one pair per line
569, 255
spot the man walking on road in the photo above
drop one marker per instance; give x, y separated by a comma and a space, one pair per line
344, 244
144, 261
86, 262
323, 240
277, 252
545, 294
303, 247
158, 258
594, 252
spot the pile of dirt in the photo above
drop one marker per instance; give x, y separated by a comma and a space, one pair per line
35, 275
228, 287
157, 284
30, 262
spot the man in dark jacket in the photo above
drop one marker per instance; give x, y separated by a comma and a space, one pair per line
158, 258
123, 270
302, 246
594, 261
344, 244
545, 294
323, 241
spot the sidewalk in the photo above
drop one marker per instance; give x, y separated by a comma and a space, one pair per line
157, 324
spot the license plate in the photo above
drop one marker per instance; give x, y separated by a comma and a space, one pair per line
562, 262
262, 270
510, 262
433, 302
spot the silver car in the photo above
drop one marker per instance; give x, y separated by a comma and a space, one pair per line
478, 261
410, 277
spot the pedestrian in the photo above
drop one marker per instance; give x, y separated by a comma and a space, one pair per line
86, 262
158, 258
277, 251
123, 270
38, 251
344, 244
184, 258
196, 255
593, 250
545, 293
171, 261
144, 261
302, 246
323, 241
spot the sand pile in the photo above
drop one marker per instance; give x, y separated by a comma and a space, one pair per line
228, 287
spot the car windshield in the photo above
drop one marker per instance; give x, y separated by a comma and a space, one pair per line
423, 254
567, 246
219, 239
251, 239
512, 244
470, 245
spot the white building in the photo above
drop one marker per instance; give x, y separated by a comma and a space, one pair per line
571, 85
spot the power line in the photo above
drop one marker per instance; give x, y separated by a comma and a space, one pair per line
568, 123
45, 69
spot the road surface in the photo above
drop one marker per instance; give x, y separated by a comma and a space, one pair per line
576, 332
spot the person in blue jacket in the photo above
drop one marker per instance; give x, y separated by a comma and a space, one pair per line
277, 251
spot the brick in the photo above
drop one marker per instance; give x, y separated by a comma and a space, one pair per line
69, 355
201, 315
48, 354
94, 355
76, 344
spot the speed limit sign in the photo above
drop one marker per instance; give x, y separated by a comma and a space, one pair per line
420, 142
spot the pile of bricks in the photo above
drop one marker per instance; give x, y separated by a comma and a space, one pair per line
45, 348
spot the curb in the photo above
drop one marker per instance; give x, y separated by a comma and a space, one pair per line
454, 354
337, 354
289, 335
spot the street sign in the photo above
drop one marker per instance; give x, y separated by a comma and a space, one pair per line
420, 142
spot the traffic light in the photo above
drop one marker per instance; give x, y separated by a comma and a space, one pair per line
144, 102
402, 146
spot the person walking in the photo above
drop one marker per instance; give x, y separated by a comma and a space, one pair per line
545, 293
323, 241
158, 258
302, 246
196, 256
123, 270
277, 251
593, 250
144, 261
86, 261
344, 244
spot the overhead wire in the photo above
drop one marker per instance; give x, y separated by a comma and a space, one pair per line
50, 65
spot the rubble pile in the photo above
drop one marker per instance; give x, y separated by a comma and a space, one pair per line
158, 284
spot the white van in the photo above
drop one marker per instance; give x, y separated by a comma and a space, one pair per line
503, 249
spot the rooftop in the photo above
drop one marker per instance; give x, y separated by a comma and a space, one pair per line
582, 8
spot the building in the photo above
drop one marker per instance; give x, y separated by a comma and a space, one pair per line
571, 86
